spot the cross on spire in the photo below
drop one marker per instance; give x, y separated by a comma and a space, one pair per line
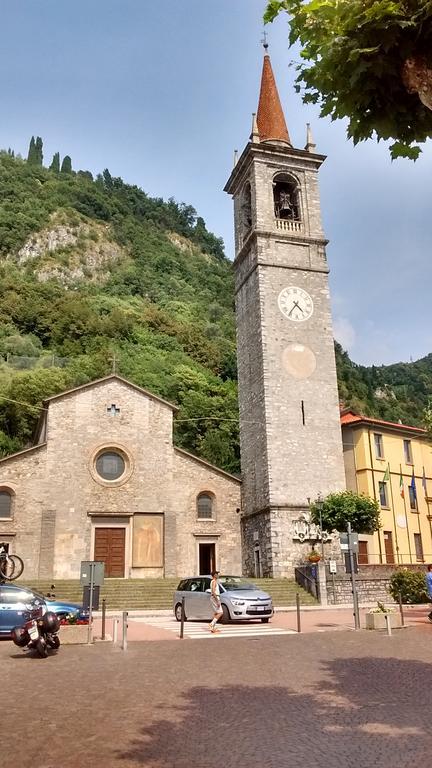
264, 41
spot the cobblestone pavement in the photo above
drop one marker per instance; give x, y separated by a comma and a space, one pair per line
333, 700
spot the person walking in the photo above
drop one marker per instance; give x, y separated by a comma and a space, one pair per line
429, 587
215, 602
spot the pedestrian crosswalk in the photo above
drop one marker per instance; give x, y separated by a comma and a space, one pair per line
199, 630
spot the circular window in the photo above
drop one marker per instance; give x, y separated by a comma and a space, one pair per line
110, 465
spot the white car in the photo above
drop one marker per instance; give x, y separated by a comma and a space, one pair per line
241, 600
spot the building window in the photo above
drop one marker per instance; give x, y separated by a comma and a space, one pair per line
412, 497
383, 494
5, 505
379, 448
110, 465
418, 547
363, 555
205, 506
407, 451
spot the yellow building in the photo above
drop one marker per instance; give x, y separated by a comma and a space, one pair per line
391, 463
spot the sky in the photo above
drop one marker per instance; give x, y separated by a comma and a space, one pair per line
162, 94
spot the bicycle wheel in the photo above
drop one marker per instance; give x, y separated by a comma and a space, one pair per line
7, 568
18, 567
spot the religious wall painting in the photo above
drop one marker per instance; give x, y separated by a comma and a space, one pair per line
147, 549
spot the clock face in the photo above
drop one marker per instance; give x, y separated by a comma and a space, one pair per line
295, 304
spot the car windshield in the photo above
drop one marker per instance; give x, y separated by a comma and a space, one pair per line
232, 583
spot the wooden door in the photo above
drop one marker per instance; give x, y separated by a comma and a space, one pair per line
388, 544
110, 547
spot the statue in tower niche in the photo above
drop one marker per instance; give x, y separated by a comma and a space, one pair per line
290, 435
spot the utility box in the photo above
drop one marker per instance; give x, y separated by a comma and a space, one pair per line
97, 567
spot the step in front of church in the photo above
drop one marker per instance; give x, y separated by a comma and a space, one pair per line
157, 594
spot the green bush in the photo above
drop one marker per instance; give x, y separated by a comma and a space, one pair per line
411, 585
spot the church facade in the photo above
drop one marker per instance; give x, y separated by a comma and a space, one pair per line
104, 481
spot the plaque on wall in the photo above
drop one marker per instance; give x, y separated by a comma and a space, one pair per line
147, 548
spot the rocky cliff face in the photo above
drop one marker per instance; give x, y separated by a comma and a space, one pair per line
70, 250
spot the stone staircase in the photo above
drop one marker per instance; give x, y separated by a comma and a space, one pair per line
157, 594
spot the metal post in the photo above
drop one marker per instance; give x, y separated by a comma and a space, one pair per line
124, 630
401, 610
89, 633
103, 618
298, 612
115, 630
182, 618
353, 581
388, 623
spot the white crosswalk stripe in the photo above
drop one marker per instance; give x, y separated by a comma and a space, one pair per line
197, 630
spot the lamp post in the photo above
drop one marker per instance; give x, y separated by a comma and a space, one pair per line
319, 505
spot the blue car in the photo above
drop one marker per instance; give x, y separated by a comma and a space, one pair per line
16, 602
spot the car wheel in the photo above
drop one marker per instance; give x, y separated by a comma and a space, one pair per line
265, 621
226, 618
178, 612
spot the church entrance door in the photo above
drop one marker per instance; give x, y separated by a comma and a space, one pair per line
207, 558
110, 547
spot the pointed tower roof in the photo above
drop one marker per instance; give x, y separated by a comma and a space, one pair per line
270, 116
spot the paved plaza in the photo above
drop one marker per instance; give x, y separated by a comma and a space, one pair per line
333, 699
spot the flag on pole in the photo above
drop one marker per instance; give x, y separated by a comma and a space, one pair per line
386, 478
413, 486
424, 482
401, 486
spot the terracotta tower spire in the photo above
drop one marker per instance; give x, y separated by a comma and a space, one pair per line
270, 116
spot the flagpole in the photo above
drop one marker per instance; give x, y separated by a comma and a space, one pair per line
406, 520
424, 484
393, 510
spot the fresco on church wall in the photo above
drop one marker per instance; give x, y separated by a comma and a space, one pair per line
147, 550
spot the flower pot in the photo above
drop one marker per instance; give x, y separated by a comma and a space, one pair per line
378, 621
73, 634
314, 558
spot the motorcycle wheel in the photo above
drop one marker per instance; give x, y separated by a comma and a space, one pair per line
54, 641
41, 648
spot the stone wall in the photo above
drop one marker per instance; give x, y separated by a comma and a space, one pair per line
372, 582
369, 590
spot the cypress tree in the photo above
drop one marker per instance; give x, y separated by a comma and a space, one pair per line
55, 163
66, 166
39, 151
31, 156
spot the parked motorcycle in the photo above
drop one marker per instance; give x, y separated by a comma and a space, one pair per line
39, 632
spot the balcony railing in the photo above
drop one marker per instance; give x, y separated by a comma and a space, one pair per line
289, 225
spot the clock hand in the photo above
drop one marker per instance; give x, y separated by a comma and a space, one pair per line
296, 304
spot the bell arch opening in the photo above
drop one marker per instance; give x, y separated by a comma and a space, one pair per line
286, 197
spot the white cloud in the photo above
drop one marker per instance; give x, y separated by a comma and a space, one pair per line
344, 333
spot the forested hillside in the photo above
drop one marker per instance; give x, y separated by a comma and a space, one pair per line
96, 275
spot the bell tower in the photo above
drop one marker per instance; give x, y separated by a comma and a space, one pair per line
290, 434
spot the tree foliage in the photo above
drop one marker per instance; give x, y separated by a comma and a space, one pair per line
344, 507
367, 61
409, 585
165, 309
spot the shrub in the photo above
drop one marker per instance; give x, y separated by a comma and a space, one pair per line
411, 585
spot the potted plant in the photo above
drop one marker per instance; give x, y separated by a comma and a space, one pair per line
73, 630
375, 617
314, 556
